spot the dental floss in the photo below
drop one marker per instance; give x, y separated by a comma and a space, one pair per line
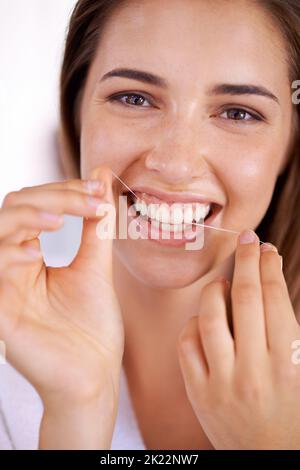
193, 223
124, 184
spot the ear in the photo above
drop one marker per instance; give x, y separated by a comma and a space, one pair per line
66, 157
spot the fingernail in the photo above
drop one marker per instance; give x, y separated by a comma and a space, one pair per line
32, 252
268, 247
94, 201
247, 236
49, 217
281, 263
94, 185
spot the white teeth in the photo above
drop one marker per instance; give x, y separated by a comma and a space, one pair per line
151, 212
144, 209
176, 228
163, 213
141, 207
175, 214
188, 214
201, 211
155, 224
137, 206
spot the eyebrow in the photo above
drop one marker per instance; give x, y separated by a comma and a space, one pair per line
245, 89
218, 89
139, 75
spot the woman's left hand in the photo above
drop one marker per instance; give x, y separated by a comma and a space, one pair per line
245, 388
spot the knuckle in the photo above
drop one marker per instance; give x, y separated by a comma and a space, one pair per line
27, 212
185, 337
243, 292
9, 198
188, 333
220, 399
212, 286
273, 287
78, 199
209, 322
287, 373
247, 253
250, 390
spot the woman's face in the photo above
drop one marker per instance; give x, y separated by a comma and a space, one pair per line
200, 133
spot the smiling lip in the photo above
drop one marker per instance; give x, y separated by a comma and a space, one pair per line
174, 197
177, 197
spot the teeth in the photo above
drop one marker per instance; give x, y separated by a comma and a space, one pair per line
176, 214
143, 208
151, 212
201, 211
188, 214
155, 224
176, 228
163, 214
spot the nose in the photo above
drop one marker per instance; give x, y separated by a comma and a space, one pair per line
178, 157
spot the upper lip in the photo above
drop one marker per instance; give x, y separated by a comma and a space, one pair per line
184, 197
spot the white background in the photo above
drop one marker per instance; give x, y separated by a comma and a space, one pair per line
32, 35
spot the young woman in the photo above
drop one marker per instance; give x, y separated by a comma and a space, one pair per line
188, 102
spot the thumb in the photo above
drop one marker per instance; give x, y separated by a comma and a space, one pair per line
95, 251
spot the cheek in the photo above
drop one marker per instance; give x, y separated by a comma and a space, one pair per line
249, 178
249, 175
111, 144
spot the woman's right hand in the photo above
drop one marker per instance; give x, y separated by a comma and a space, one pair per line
62, 327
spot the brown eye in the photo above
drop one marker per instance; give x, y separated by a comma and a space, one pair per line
133, 100
239, 114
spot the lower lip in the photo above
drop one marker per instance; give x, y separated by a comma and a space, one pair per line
156, 235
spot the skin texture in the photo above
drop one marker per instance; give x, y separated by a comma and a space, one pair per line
160, 310
183, 139
176, 143
65, 340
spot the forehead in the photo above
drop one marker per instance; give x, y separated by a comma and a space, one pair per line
184, 39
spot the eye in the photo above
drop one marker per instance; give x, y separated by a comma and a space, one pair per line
135, 100
240, 114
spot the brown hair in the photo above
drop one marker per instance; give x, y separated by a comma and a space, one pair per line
280, 224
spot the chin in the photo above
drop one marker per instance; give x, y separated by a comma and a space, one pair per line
161, 268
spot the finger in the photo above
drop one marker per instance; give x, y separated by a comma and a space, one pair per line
281, 321
95, 251
11, 255
84, 186
24, 219
215, 334
61, 201
247, 302
192, 359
